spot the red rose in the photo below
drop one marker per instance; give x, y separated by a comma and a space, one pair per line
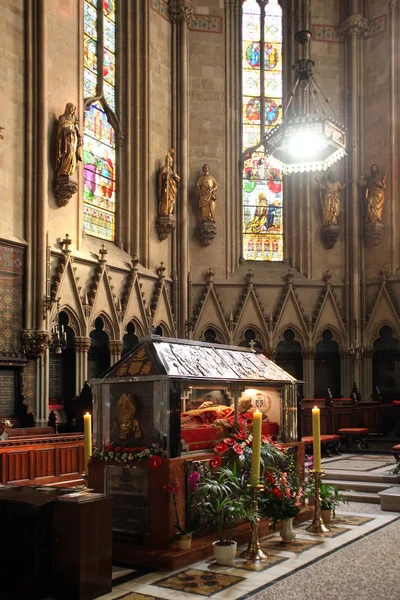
229, 441
215, 462
220, 448
155, 462
118, 449
108, 448
238, 449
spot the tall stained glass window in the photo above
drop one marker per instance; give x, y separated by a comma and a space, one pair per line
101, 123
261, 102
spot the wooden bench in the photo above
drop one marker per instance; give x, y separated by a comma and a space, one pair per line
353, 437
29, 431
396, 452
329, 444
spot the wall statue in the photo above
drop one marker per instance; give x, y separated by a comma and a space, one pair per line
374, 194
168, 183
68, 154
206, 190
330, 195
128, 425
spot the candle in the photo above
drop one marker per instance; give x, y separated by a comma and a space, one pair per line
256, 448
316, 432
87, 428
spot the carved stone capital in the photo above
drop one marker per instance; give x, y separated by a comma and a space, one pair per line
329, 235
82, 344
64, 189
308, 353
34, 343
165, 225
116, 347
374, 233
180, 10
207, 230
355, 25
346, 354
368, 352
393, 6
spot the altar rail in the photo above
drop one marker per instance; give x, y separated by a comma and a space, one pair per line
41, 460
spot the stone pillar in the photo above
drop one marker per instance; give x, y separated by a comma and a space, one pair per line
353, 29
366, 383
42, 389
394, 132
308, 355
81, 345
181, 13
346, 370
115, 351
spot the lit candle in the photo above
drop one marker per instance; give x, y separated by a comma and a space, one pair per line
87, 428
256, 448
316, 432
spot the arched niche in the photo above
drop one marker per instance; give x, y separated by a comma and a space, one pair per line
327, 367
99, 352
251, 338
386, 365
62, 364
131, 338
288, 354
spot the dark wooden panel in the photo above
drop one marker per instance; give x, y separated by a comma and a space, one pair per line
69, 460
18, 466
45, 462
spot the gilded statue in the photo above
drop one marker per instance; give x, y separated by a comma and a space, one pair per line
69, 142
375, 186
126, 411
330, 198
168, 183
206, 190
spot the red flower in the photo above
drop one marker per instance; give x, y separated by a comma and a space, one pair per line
118, 449
240, 435
238, 449
230, 441
220, 448
155, 462
265, 439
277, 493
108, 448
278, 446
215, 462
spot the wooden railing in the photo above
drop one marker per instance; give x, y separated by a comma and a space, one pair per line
41, 460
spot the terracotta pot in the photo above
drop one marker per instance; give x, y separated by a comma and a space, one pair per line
326, 515
225, 554
287, 532
184, 541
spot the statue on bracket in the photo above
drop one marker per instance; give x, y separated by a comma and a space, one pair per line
206, 190
69, 153
330, 193
168, 183
374, 193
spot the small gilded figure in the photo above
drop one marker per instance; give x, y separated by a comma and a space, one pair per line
69, 142
129, 426
374, 186
168, 183
206, 190
330, 197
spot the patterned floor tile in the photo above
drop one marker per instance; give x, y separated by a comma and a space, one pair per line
334, 530
248, 565
299, 545
194, 581
351, 520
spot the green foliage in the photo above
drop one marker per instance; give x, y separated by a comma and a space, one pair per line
330, 496
223, 503
396, 470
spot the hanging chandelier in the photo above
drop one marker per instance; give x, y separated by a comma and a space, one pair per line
310, 136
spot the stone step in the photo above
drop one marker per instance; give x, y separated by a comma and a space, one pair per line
367, 497
358, 486
390, 499
359, 476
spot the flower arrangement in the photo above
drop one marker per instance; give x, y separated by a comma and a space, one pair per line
152, 454
283, 495
237, 449
173, 490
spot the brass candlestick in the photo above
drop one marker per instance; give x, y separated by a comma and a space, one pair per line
254, 552
317, 525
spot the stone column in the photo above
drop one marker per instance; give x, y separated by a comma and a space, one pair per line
81, 345
308, 355
115, 351
181, 13
347, 371
366, 384
394, 132
353, 28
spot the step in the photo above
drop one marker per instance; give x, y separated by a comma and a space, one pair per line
390, 499
358, 486
367, 497
359, 476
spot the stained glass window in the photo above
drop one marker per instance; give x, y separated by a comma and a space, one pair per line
261, 104
99, 153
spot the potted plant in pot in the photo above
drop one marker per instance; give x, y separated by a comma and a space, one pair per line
223, 505
184, 533
330, 500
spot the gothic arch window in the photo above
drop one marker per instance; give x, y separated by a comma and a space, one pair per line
250, 340
262, 219
101, 125
130, 339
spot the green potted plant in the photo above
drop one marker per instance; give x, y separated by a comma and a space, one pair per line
331, 498
223, 504
184, 533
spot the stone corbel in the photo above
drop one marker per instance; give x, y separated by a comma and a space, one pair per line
64, 188
374, 233
165, 225
329, 235
207, 230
